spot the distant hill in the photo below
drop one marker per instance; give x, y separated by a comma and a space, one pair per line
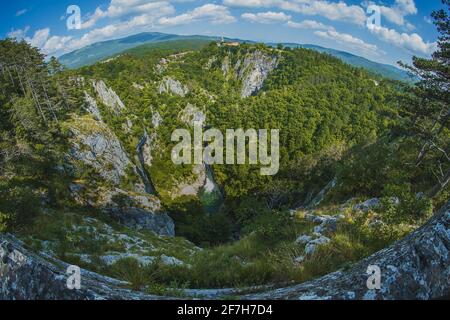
102, 50
385, 70
143, 41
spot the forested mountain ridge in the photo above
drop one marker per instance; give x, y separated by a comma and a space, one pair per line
86, 173
108, 49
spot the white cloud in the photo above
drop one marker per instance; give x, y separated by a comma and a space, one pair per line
21, 12
56, 44
336, 11
19, 34
406, 6
349, 41
213, 13
122, 8
39, 38
309, 24
412, 42
397, 13
266, 17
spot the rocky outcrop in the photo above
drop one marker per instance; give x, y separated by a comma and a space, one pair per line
92, 107
326, 226
192, 188
416, 267
254, 70
158, 222
108, 97
192, 115
97, 146
25, 275
170, 85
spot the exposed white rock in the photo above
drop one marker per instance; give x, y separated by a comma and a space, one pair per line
303, 239
171, 261
321, 195
210, 62
368, 204
299, 259
128, 125
138, 86
225, 66
192, 115
156, 119
108, 96
193, 188
98, 146
92, 107
327, 224
114, 257
312, 245
170, 85
147, 201
209, 186
139, 219
255, 70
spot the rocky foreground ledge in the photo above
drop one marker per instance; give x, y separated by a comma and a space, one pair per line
417, 267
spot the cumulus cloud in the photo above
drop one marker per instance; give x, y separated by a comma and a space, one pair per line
337, 11
213, 13
309, 24
19, 34
397, 13
348, 41
266, 17
40, 37
412, 42
123, 8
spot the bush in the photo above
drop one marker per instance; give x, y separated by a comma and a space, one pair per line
411, 207
249, 208
4, 218
271, 227
129, 269
18, 206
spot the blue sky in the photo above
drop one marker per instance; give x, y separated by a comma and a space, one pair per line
405, 28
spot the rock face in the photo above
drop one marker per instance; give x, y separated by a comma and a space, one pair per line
135, 218
170, 85
28, 276
100, 148
417, 267
108, 96
254, 71
143, 151
92, 107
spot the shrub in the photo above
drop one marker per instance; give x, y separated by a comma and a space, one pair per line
129, 269
271, 227
19, 204
411, 207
